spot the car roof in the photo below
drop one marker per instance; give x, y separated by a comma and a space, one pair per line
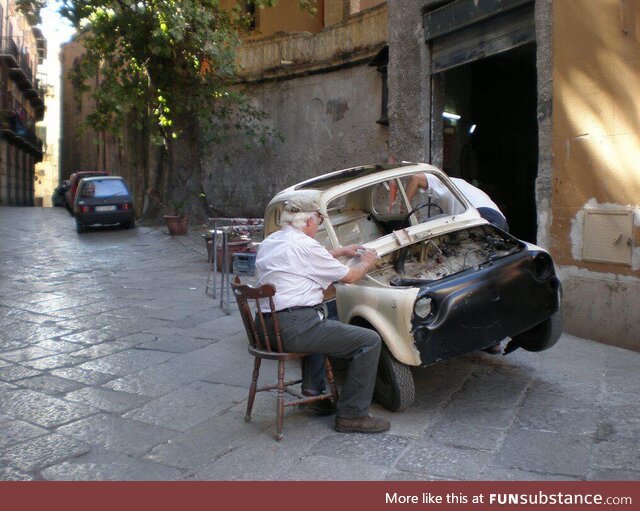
325, 188
101, 178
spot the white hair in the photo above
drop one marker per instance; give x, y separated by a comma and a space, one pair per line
297, 220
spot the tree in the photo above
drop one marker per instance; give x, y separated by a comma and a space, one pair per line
168, 66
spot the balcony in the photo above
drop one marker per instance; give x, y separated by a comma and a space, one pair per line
15, 131
9, 52
19, 64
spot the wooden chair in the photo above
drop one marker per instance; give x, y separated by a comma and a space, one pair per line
262, 347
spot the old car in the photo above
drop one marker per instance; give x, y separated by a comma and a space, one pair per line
447, 283
72, 187
104, 200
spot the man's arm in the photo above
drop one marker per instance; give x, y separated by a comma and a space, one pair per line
367, 259
416, 181
349, 251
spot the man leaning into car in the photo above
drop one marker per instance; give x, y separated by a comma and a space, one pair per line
300, 268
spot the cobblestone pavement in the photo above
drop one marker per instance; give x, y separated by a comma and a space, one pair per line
114, 364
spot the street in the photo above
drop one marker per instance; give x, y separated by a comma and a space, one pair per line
115, 365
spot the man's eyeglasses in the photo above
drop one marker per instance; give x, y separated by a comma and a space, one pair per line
320, 217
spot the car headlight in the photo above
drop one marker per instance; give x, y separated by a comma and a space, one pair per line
423, 307
542, 266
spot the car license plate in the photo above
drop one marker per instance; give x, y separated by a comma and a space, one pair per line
105, 208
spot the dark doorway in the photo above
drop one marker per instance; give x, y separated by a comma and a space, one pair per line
490, 131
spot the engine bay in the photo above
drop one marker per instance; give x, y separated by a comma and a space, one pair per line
445, 255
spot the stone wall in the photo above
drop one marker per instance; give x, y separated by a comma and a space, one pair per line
327, 121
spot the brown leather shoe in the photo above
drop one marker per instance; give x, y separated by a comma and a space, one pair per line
366, 424
322, 407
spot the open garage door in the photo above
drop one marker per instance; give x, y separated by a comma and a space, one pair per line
484, 122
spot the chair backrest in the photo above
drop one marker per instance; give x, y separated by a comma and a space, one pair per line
259, 334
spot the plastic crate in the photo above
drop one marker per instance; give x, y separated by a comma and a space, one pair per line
244, 263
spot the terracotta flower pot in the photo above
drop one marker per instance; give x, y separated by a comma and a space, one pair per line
176, 225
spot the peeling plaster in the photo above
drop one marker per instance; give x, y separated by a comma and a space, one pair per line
544, 223
578, 222
566, 272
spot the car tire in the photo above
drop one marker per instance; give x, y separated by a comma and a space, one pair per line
129, 225
542, 336
79, 226
395, 389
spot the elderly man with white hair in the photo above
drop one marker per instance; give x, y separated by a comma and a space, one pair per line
301, 269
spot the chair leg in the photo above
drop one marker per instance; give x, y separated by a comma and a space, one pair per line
280, 405
330, 378
253, 387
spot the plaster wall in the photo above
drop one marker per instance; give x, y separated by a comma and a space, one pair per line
327, 121
596, 145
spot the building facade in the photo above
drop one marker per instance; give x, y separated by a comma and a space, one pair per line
21, 105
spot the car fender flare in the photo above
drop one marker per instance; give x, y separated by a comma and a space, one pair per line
403, 350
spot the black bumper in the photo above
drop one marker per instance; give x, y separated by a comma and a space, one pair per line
106, 218
479, 307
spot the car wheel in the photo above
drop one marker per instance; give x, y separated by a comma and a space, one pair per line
542, 336
395, 389
131, 224
79, 226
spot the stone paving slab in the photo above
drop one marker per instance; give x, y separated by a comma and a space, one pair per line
184, 408
106, 400
51, 385
40, 452
195, 448
546, 452
444, 461
160, 379
110, 466
16, 431
118, 434
83, 375
42, 409
124, 363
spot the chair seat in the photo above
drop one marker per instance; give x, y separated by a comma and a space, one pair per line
274, 355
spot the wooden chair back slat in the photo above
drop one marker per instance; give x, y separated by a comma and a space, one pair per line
276, 326
258, 335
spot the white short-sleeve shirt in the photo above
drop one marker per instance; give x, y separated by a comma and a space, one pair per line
298, 266
474, 195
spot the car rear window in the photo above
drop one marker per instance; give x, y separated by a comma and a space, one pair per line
104, 188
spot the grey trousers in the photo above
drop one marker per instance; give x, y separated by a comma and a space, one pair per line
303, 331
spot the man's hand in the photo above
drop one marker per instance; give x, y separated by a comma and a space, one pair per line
367, 259
349, 251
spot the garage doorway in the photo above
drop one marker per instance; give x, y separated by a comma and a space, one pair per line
486, 131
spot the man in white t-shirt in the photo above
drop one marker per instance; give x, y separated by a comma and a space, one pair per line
488, 209
301, 269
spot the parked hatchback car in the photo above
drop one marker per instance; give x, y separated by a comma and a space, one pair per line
74, 181
105, 201
447, 283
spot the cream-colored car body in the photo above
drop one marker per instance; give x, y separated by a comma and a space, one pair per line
387, 308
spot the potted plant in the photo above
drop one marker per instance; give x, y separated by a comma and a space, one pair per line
178, 221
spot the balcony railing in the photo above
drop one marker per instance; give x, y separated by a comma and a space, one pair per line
9, 51
15, 129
